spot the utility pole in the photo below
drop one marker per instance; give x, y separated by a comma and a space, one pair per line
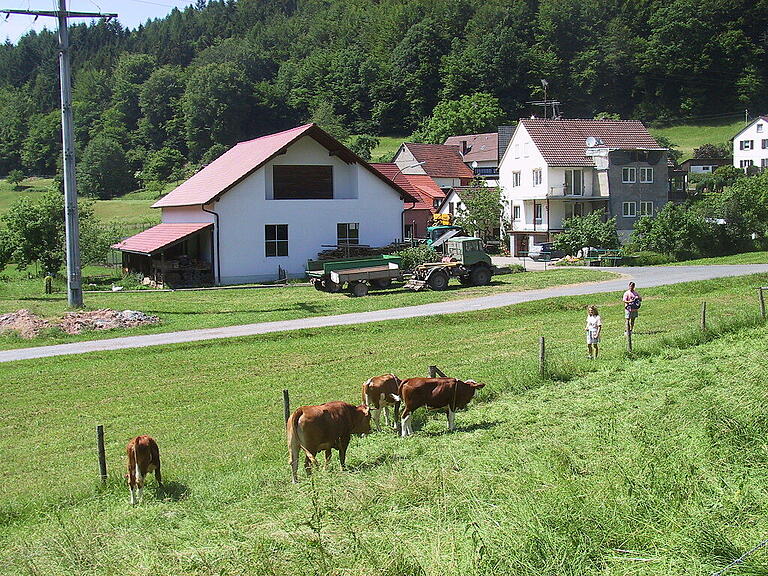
74, 284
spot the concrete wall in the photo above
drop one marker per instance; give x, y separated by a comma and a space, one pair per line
359, 196
656, 191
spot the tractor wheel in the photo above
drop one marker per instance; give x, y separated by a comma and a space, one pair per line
465, 280
438, 280
382, 283
480, 276
359, 289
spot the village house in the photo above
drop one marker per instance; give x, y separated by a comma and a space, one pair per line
265, 207
480, 152
555, 169
750, 146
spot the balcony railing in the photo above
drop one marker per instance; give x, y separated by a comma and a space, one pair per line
486, 172
560, 191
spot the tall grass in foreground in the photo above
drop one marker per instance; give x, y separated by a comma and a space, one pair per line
654, 464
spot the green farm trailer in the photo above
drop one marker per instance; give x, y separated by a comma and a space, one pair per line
358, 274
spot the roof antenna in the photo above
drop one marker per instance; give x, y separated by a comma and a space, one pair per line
555, 104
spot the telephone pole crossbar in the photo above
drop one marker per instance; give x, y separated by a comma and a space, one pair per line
74, 283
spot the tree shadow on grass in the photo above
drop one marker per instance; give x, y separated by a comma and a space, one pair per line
172, 491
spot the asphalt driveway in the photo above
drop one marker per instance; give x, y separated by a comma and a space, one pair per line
644, 277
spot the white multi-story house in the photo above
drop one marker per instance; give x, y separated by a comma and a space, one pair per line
555, 169
265, 207
750, 146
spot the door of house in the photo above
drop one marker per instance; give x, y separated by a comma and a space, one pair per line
522, 244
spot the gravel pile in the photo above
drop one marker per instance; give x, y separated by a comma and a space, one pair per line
29, 325
24, 322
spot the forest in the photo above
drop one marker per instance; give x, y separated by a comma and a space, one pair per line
177, 92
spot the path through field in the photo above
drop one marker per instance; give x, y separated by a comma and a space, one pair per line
645, 277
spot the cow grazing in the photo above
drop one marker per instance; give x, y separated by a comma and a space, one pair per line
323, 427
143, 458
434, 393
380, 393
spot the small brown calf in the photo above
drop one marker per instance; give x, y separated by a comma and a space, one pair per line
380, 393
143, 458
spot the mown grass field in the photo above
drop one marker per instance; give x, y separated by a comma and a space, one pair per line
690, 136
654, 464
743, 258
387, 147
212, 308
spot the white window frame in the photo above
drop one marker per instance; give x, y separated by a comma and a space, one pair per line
538, 220
644, 175
746, 144
764, 143
629, 209
525, 149
629, 175
759, 127
516, 213
646, 208
537, 176
746, 163
516, 179
763, 162
517, 150
576, 176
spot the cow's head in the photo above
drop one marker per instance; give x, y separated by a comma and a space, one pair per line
362, 422
473, 384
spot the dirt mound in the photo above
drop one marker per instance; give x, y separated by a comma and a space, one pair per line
29, 325
24, 322
76, 322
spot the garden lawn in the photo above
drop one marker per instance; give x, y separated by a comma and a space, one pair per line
212, 308
29, 187
661, 457
743, 258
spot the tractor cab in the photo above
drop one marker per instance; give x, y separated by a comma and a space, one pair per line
467, 251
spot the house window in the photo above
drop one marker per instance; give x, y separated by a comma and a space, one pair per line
537, 213
764, 163
746, 144
436, 203
765, 143
276, 240
759, 127
646, 208
537, 176
525, 149
409, 230
516, 213
646, 175
746, 163
574, 182
348, 233
628, 175
515, 179
302, 182
629, 209
517, 150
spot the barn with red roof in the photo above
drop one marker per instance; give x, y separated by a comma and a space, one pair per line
265, 207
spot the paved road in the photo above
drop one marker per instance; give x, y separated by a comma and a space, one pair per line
644, 277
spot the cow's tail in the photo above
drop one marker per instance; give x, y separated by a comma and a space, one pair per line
292, 432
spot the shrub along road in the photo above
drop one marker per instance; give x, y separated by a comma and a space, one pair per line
644, 277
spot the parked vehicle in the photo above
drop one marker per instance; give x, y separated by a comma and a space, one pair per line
357, 273
545, 252
464, 259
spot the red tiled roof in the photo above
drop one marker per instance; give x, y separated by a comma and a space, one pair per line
480, 147
420, 186
440, 161
245, 158
158, 237
562, 142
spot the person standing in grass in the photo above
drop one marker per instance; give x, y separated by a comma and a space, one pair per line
631, 301
594, 327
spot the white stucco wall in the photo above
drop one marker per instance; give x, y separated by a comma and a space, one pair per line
756, 132
247, 208
522, 156
184, 214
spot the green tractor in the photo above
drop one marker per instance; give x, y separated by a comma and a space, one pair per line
464, 259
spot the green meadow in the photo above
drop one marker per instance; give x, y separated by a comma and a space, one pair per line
652, 463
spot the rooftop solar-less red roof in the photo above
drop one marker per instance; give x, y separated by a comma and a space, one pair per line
158, 237
420, 186
480, 147
440, 161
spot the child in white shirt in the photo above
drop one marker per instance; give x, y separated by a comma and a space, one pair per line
593, 328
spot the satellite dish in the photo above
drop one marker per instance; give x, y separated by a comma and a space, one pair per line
474, 164
591, 142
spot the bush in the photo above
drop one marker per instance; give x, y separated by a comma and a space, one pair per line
412, 257
647, 258
104, 171
589, 230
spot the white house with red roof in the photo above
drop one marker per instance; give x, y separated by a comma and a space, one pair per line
264, 208
443, 164
750, 145
555, 169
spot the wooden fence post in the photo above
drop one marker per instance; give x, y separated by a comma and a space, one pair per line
286, 406
433, 371
762, 301
703, 316
542, 363
100, 449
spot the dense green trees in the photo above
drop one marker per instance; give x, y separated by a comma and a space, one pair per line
587, 231
103, 171
470, 114
222, 71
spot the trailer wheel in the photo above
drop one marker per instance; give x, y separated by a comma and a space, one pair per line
382, 283
438, 280
465, 280
317, 284
359, 289
330, 286
480, 276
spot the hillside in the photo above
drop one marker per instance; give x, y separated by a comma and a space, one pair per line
646, 465
692, 135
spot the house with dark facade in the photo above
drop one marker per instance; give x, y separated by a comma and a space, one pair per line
555, 169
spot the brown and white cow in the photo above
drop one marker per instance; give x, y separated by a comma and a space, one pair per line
143, 458
380, 393
323, 427
434, 393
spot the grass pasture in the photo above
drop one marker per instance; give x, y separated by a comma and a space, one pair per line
183, 310
650, 465
690, 136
